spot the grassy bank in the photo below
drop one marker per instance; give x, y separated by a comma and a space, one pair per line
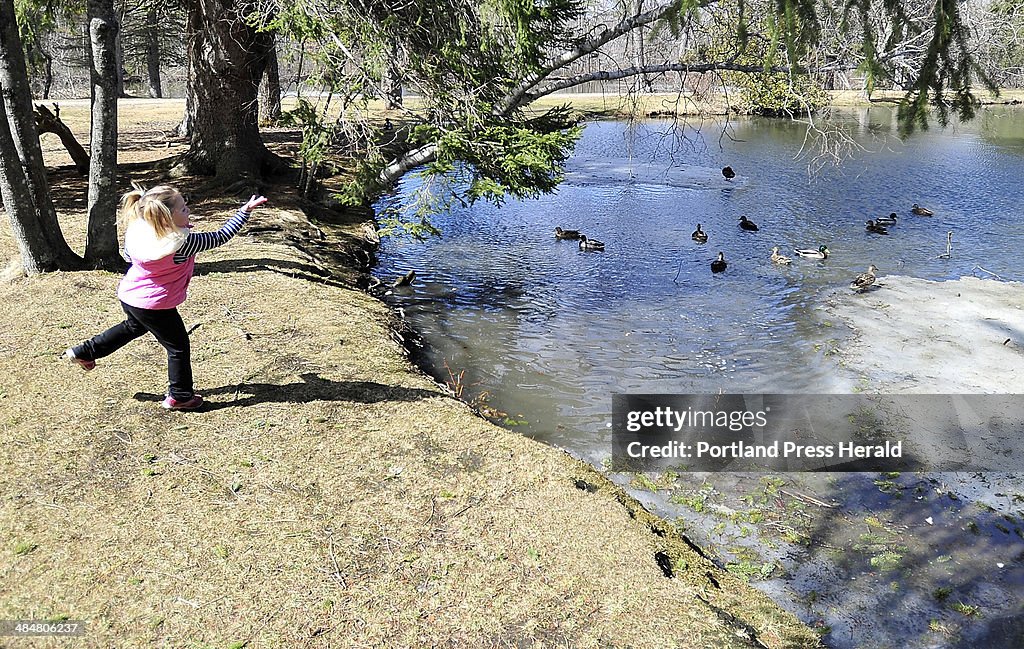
328, 495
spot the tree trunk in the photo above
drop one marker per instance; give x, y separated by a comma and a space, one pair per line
406, 162
270, 90
117, 48
229, 56
298, 73
153, 54
47, 75
101, 241
392, 83
188, 118
36, 253
47, 122
26, 193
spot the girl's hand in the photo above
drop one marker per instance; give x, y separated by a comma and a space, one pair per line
254, 202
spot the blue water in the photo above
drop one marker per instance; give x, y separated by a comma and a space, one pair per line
548, 332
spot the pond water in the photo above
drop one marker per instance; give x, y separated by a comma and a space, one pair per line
546, 333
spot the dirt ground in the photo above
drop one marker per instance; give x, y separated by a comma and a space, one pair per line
329, 494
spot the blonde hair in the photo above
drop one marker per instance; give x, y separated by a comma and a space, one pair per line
153, 205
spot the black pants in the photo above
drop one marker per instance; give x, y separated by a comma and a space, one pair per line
166, 325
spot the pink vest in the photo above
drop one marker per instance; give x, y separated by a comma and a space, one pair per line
158, 284
154, 281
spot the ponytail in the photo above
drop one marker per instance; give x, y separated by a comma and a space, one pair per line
152, 205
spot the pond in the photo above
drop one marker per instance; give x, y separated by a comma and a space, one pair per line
545, 333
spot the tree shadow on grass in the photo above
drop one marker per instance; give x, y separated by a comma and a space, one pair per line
289, 268
311, 388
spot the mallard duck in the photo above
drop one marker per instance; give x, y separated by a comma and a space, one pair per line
590, 244
699, 235
877, 229
921, 211
821, 253
864, 280
747, 225
782, 260
887, 220
563, 235
728, 173
719, 265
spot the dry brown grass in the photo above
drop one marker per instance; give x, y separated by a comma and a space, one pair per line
329, 496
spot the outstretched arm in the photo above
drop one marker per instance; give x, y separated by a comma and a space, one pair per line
197, 242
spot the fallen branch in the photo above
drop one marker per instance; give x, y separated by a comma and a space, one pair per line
976, 267
806, 499
47, 122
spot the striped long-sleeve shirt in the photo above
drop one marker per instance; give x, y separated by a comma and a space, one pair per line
197, 242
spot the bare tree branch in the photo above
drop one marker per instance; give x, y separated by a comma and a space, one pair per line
516, 98
611, 75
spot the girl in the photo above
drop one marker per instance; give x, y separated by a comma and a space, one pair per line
162, 251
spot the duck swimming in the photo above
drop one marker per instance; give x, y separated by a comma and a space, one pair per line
699, 235
405, 280
887, 220
590, 244
728, 173
782, 260
921, 211
747, 225
719, 265
864, 280
563, 235
821, 253
877, 229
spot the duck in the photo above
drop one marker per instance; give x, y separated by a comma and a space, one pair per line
590, 244
699, 235
747, 225
564, 235
405, 280
864, 280
887, 220
921, 211
875, 228
719, 265
821, 253
728, 173
388, 126
782, 260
